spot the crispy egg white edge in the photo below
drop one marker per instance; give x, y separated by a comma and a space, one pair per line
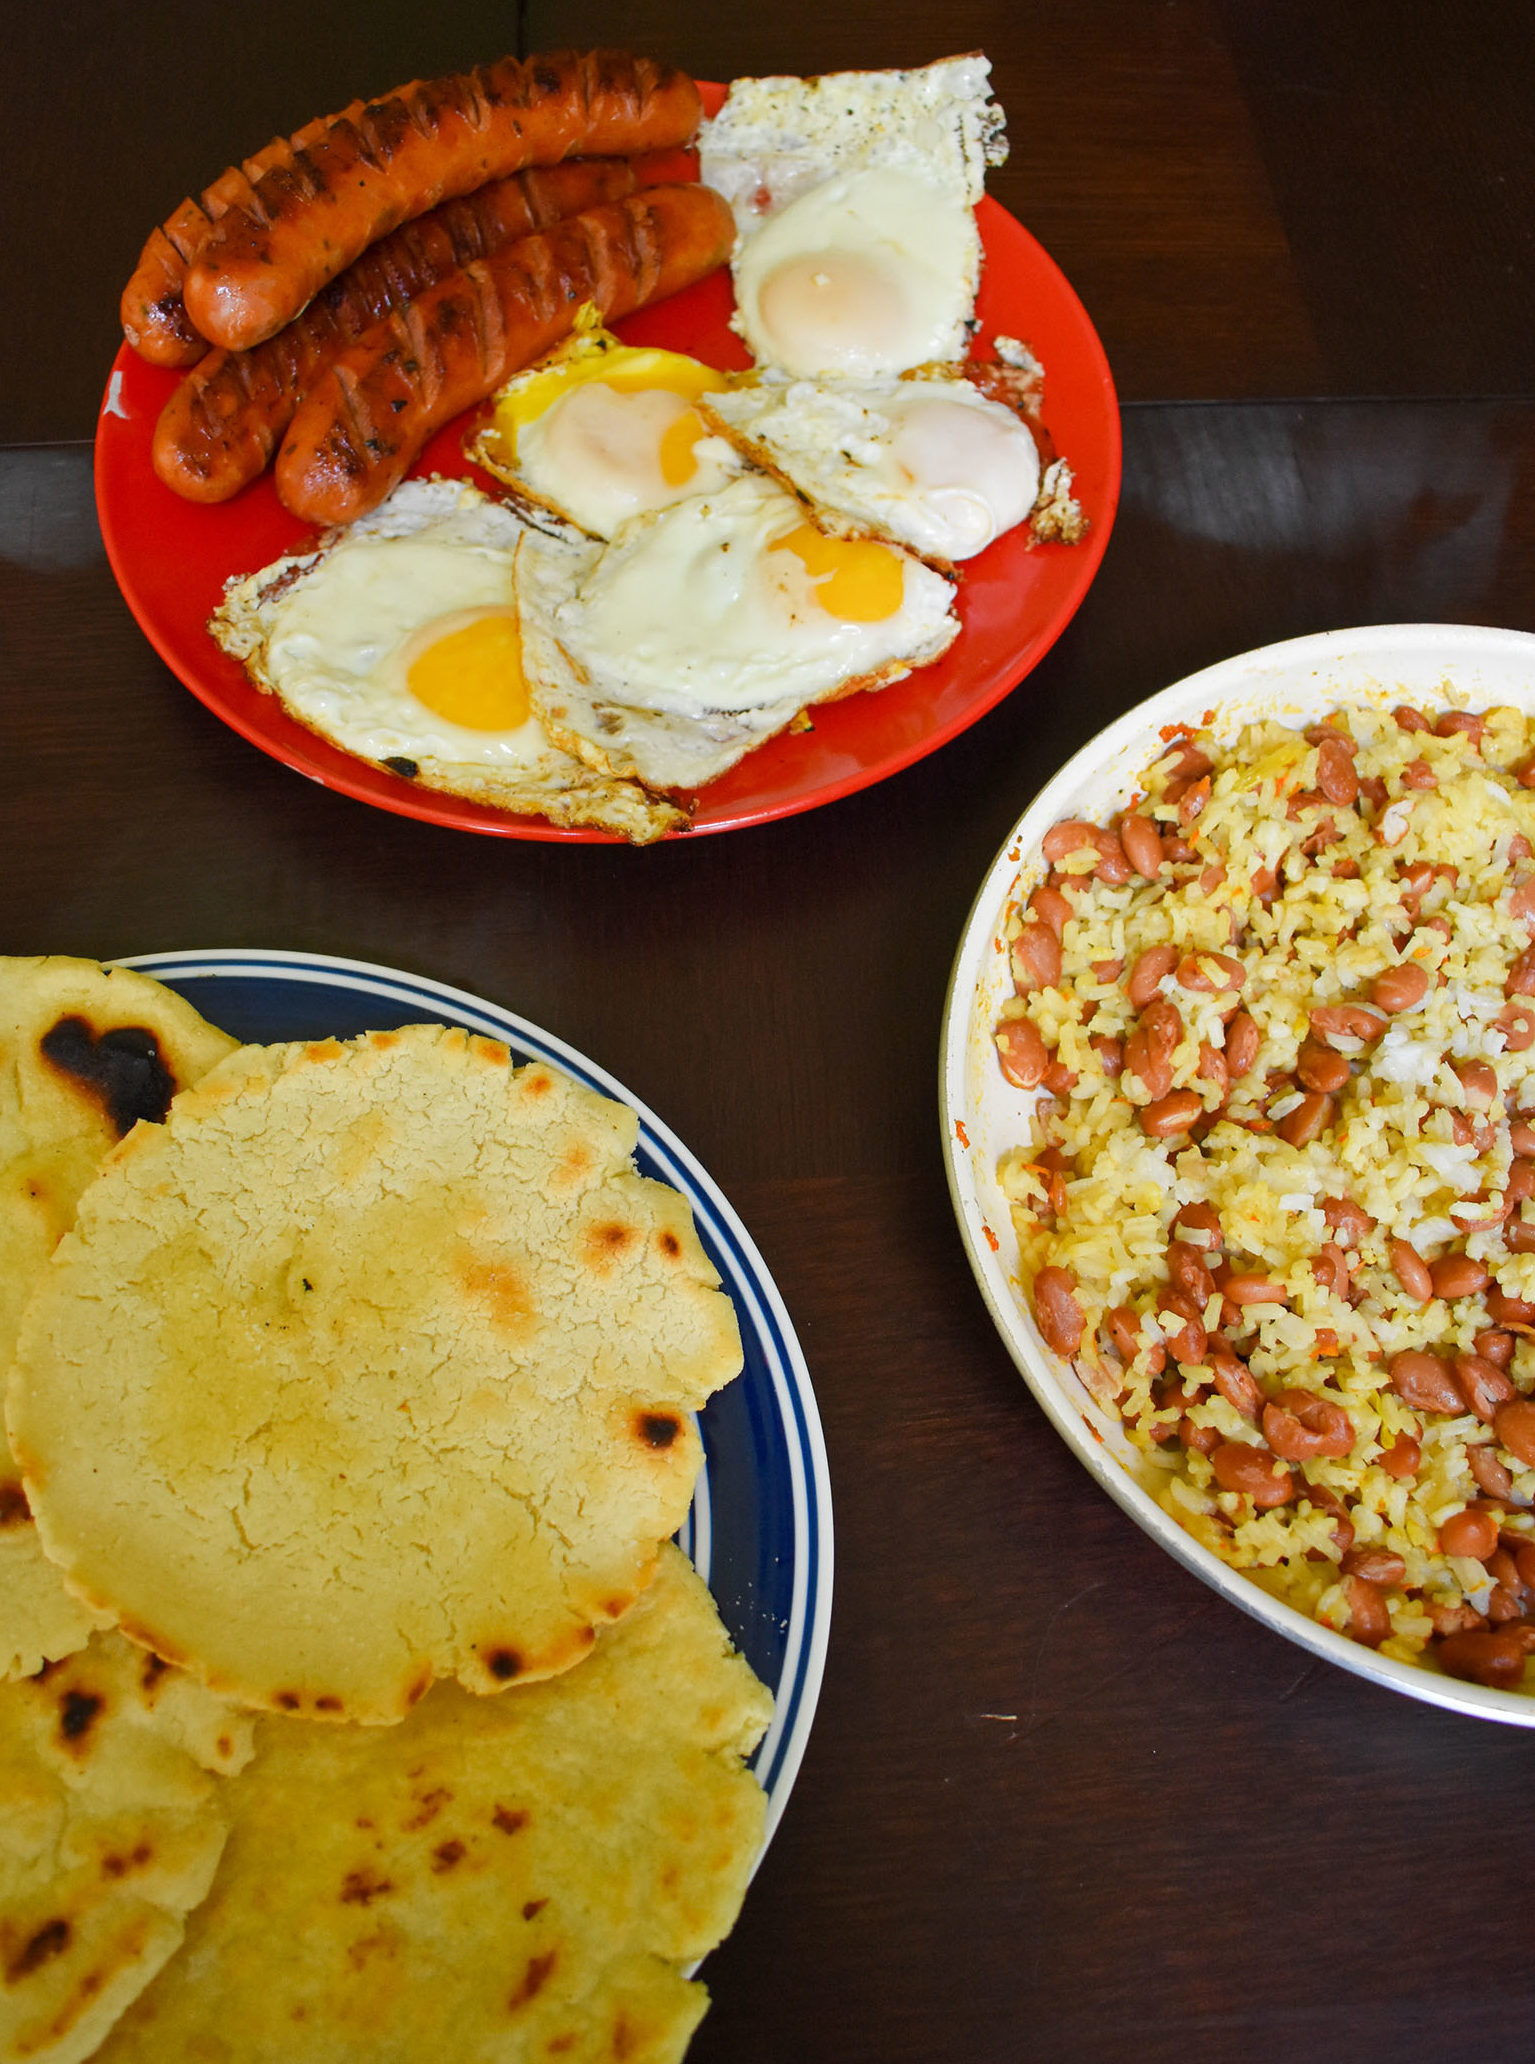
570, 791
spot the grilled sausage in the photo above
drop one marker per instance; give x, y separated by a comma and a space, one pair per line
154, 317
310, 217
354, 437
223, 423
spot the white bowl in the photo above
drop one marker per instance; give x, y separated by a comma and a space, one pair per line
1295, 682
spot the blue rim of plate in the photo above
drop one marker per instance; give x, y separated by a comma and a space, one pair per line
760, 1529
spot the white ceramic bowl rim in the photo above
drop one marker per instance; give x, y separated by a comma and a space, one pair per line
1297, 680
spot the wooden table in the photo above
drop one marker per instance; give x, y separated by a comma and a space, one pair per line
1060, 1801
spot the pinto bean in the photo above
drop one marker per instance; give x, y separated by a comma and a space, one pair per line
1514, 1424
1187, 1271
1051, 908
1236, 1382
1521, 1137
1192, 801
1479, 1083
1398, 989
1242, 1042
1336, 775
1207, 972
1200, 1226
1376, 1565
1410, 1270
1186, 1343
1506, 1310
1066, 838
1171, 1114
1299, 1425
1212, 1069
1402, 1458
1310, 1118
1491, 1475
1151, 1067
1495, 1660
1253, 1472
1408, 718
1190, 763
1483, 1385
1457, 1275
1524, 1562
1516, 1021
1107, 971
1369, 1622
1036, 958
1110, 1052
1203, 1440
1419, 774
1057, 1314
1521, 902
1519, 1237
1350, 1221
1521, 976
1321, 1069
1452, 721
1331, 1022
1152, 967
1142, 843
1329, 1268
1470, 1533
1422, 1380
1495, 1346
1022, 1052
1123, 1326
1113, 867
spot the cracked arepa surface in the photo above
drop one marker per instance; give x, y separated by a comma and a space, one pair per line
113, 1828
372, 1364
495, 1879
86, 1052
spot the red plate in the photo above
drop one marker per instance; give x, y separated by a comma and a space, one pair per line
172, 559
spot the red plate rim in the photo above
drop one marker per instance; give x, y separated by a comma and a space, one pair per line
171, 560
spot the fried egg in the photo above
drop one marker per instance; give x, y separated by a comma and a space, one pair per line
600, 431
927, 461
703, 629
857, 251
399, 641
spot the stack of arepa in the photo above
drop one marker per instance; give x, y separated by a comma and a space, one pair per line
340, 1372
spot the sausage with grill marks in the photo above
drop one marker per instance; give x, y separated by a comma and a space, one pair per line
354, 438
367, 173
223, 423
153, 311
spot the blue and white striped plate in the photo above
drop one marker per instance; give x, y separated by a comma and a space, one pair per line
760, 1529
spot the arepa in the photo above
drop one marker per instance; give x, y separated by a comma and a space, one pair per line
373, 1364
85, 1052
494, 1879
111, 1832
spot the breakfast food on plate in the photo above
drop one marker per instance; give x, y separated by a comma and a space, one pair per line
398, 640
854, 197
930, 461
531, 1874
222, 424
111, 1827
154, 317
356, 433
85, 1052
600, 431
373, 1364
704, 628
363, 174
1279, 1203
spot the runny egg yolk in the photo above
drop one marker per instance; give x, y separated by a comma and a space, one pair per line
678, 460
857, 581
472, 673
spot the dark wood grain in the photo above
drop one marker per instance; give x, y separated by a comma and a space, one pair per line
1060, 1801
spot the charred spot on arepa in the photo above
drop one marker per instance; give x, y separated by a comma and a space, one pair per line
122, 1067
503, 1664
511, 1820
447, 1854
77, 1712
657, 1430
605, 1244
14, 1509
534, 1978
668, 1244
532, 1908
40, 1947
362, 1887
